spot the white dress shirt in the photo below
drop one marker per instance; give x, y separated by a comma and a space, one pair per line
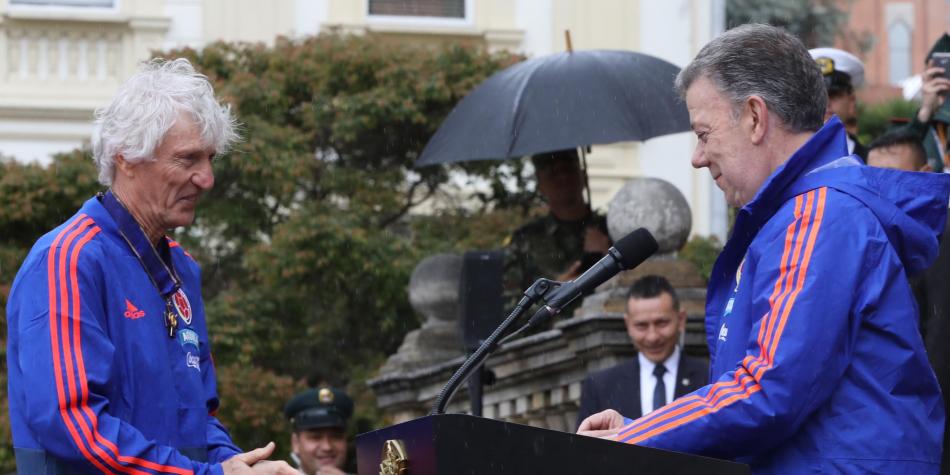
648, 381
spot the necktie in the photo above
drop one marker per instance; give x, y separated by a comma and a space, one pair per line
659, 391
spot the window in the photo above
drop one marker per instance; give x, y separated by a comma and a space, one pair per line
418, 8
899, 51
66, 3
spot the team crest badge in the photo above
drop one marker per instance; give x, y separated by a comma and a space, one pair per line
182, 305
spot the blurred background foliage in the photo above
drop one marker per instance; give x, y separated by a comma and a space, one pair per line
875, 119
308, 239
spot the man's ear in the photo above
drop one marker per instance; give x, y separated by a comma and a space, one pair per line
756, 118
123, 166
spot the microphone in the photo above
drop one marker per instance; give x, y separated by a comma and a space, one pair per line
627, 253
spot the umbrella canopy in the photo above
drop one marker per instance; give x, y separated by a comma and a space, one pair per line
561, 101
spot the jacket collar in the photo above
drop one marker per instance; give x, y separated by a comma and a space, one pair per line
824, 147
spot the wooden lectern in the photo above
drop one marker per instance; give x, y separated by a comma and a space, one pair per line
456, 444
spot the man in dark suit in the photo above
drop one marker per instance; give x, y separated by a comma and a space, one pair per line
660, 372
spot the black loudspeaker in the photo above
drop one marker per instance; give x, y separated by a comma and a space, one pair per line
481, 303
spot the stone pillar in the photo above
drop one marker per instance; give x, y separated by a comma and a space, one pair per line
433, 293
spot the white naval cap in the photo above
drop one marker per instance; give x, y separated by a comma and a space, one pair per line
834, 59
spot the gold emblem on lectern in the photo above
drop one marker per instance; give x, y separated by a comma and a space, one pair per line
395, 461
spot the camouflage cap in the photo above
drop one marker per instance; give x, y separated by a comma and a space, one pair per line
942, 45
316, 408
548, 159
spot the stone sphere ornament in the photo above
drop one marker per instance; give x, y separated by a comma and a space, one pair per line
654, 204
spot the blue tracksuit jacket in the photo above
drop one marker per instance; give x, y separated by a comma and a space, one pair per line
817, 363
96, 385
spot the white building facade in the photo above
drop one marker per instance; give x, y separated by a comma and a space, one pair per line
60, 59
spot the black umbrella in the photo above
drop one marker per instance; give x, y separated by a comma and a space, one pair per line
561, 101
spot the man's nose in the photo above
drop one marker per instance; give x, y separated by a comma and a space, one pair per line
699, 157
203, 178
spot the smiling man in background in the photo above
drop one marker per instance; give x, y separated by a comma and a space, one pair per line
318, 418
660, 372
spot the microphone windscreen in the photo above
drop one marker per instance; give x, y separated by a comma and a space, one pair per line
635, 248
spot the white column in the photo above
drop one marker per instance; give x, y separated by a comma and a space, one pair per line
309, 15
535, 18
662, 29
187, 24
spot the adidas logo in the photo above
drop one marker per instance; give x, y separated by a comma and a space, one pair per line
132, 312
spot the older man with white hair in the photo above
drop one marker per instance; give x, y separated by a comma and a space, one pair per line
110, 368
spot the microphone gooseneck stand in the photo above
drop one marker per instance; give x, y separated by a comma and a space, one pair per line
534, 293
627, 253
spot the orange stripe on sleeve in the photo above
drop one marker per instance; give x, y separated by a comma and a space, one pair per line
65, 316
91, 434
54, 339
723, 394
765, 357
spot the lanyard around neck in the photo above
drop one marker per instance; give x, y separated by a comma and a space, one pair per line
163, 275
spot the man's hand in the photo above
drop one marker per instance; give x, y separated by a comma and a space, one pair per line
931, 92
596, 240
253, 462
571, 273
605, 424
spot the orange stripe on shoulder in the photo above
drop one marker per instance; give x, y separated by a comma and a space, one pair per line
789, 271
81, 222
74, 406
806, 260
173, 244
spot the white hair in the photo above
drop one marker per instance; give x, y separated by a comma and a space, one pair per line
146, 107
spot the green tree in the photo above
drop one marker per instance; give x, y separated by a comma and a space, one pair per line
815, 22
875, 119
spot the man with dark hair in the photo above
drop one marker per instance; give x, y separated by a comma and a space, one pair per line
842, 72
899, 149
563, 243
816, 361
660, 372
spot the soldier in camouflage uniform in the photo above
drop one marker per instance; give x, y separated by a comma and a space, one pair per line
565, 242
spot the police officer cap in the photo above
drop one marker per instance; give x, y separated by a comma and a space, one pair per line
317, 408
548, 159
841, 69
